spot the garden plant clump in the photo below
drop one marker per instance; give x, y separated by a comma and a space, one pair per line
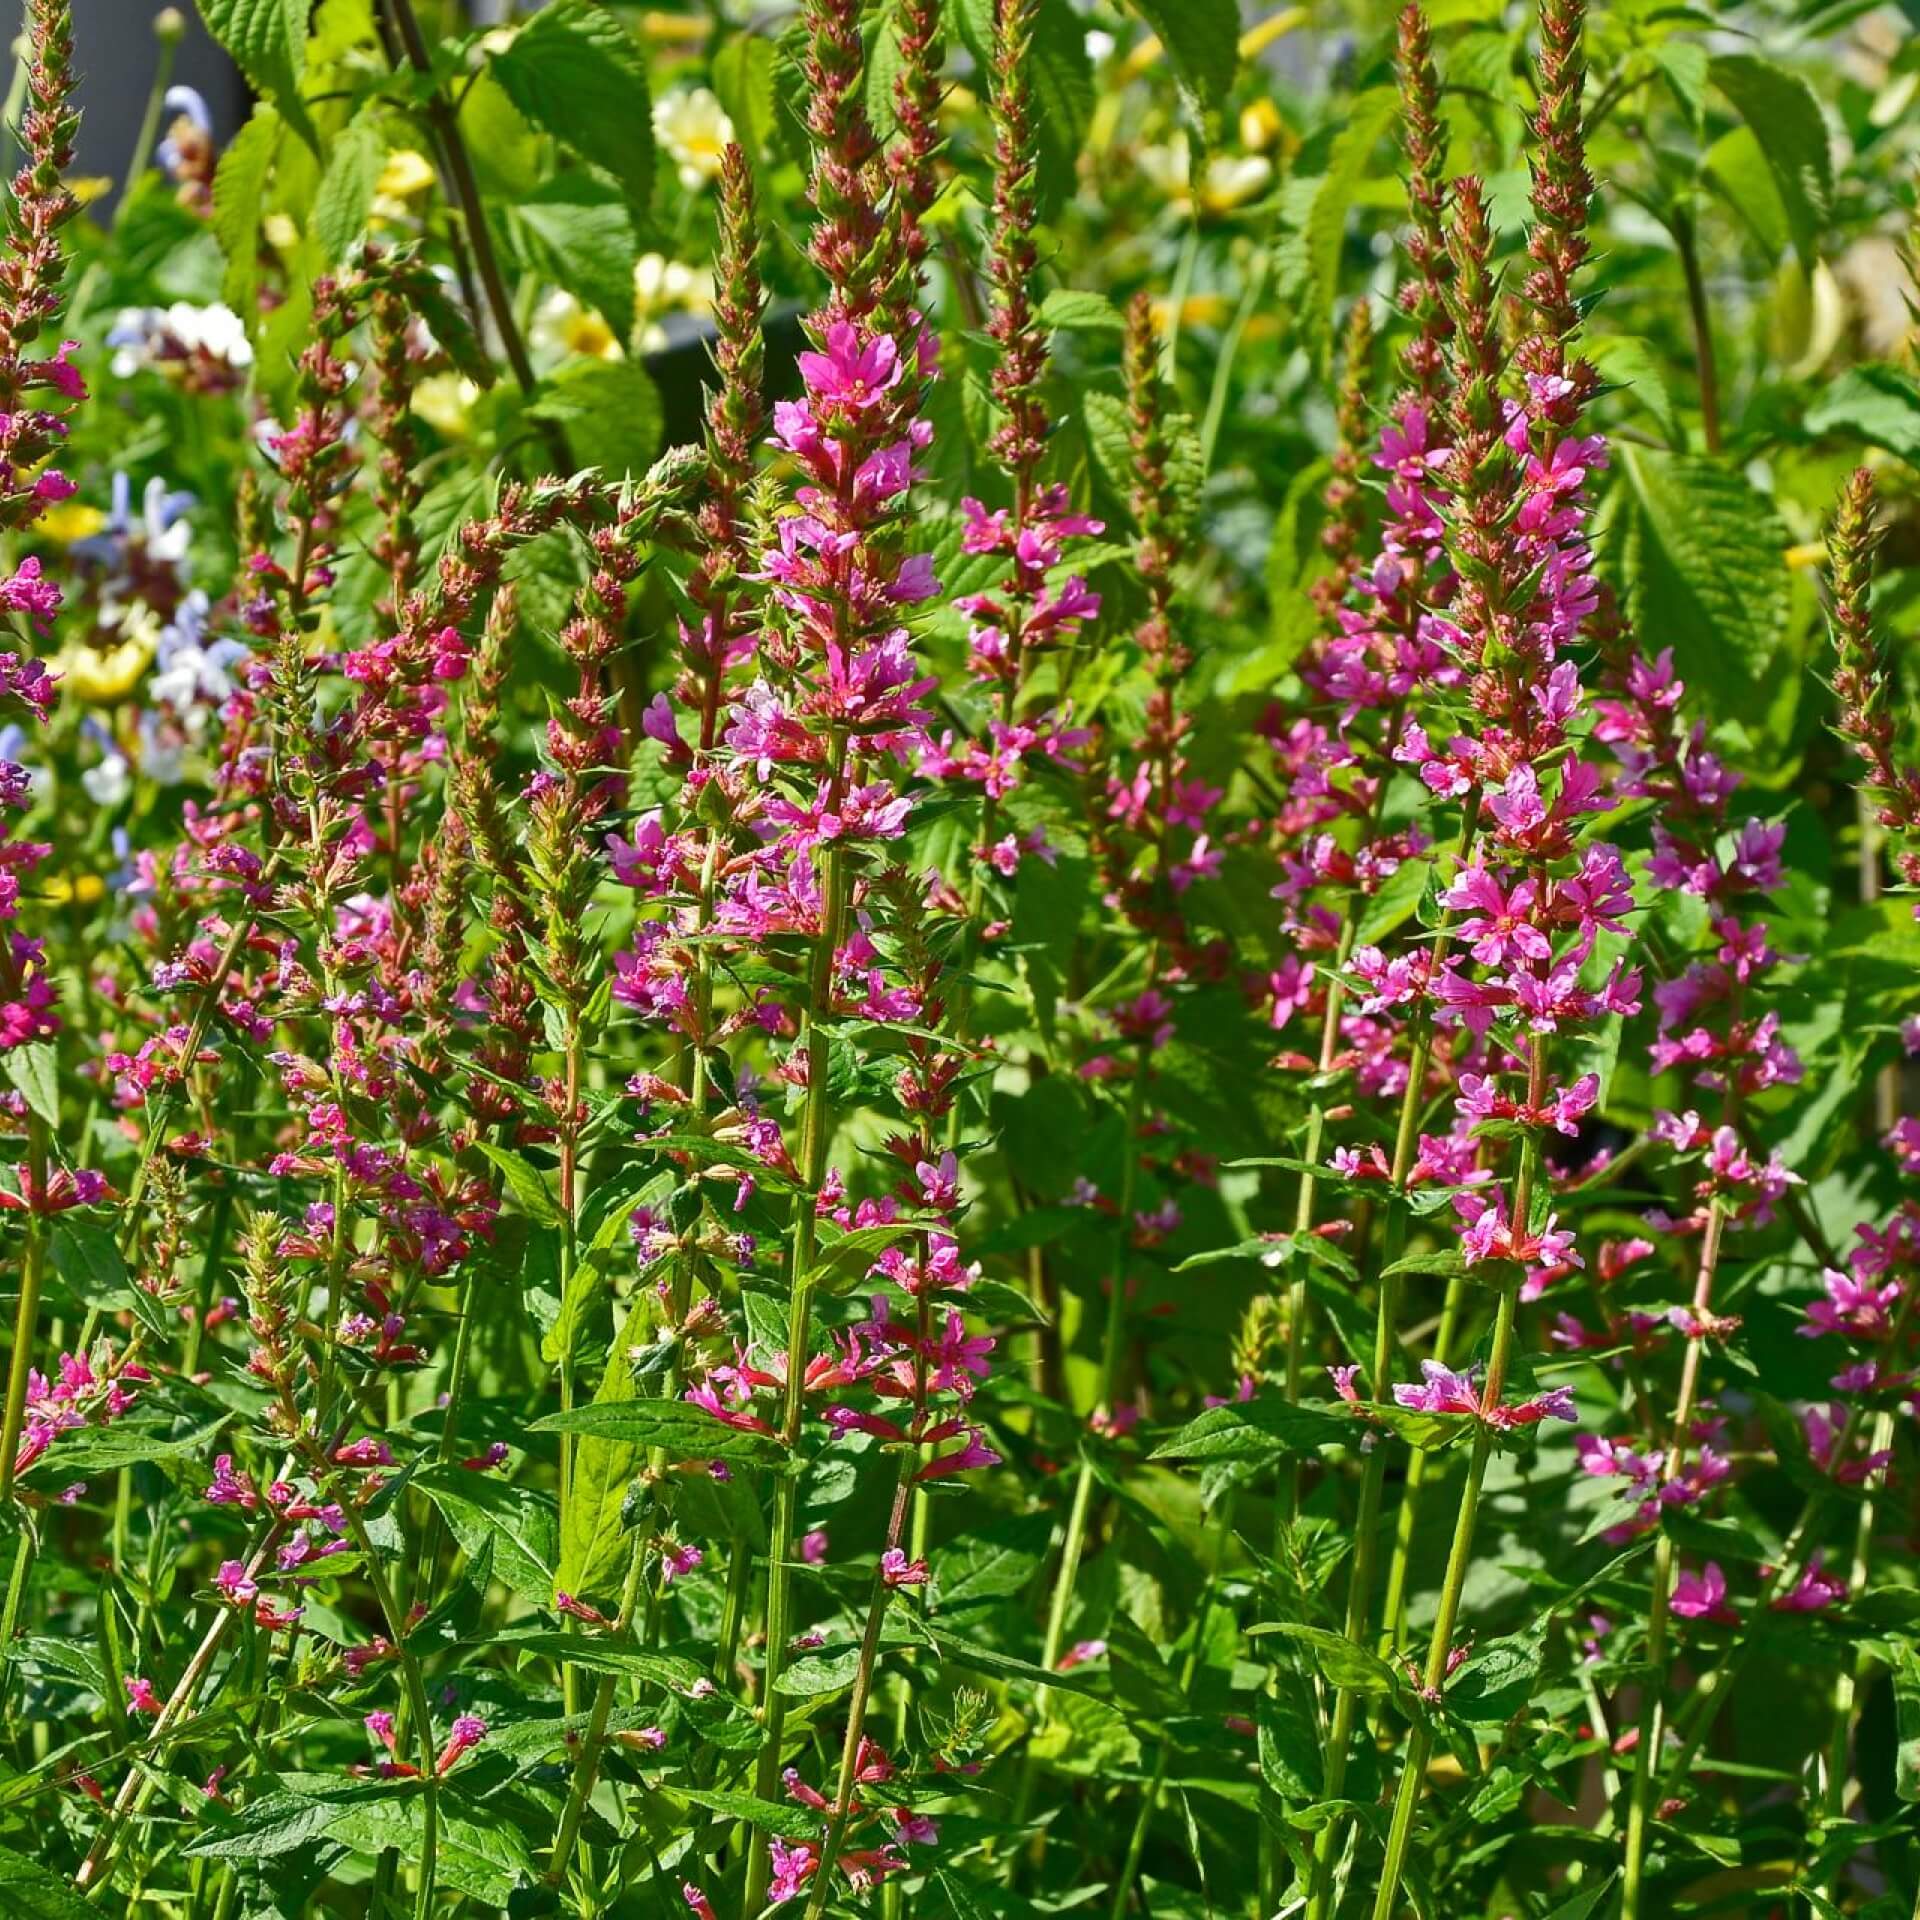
960, 960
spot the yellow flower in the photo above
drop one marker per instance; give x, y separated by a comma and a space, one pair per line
90, 187
103, 675
1196, 310
405, 174
661, 286
695, 130
443, 400
71, 520
1260, 125
562, 326
85, 888
1229, 180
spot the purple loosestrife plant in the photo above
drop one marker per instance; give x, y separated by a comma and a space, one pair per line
705, 1049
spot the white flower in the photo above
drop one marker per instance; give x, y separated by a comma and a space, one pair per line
663, 286
694, 129
1229, 180
110, 782
178, 336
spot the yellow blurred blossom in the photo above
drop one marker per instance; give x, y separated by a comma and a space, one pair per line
102, 675
405, 174
1196, 310
1230, 180
563, 326
69, 521
84, 889
663, 286
90, 187
694, 128
1260, 125
443, 401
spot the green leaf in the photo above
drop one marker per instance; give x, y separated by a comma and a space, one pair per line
1202, 39
1109, 438
1631, 364
685, 1432
29, 1891
593, 1547
525, 1182
770, 1816
601, 1653
1316, 204
1076, 311
1438, 1260
1875, 402
609, 409
1498, 1680
240, 201
87, 1257
1004, 1666
274, 1824
1584, 1904
102, 1449
268, 41
1784, 115
576, 73
35, 1071
1291, 1756
520, 1522
346, 187
1702, 552
577, 231
1906, 1707
481, 1851
1254, 1430
743, 82
849, 1256
993, 1563
1395, 904
1355, 1669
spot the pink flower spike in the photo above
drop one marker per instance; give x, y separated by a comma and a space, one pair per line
467, 1731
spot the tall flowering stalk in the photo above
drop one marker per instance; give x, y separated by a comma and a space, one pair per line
839, 576
1536, 897
32, 267
1381, 651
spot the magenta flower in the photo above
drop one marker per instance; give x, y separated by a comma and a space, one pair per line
466, 1732
1815, 1590
1703, 1596
896, 1570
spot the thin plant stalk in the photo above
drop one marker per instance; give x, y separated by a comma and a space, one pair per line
1652, 1705
815, 1134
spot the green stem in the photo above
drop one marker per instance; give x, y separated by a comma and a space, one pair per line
843, 1802
1659, 1615
1229, 352
816, 1133
586, 1768
1359, 1613
1460, 1558
1695, 1721
1393, 1624
1073, 1545
1150, 1803
26, 1322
